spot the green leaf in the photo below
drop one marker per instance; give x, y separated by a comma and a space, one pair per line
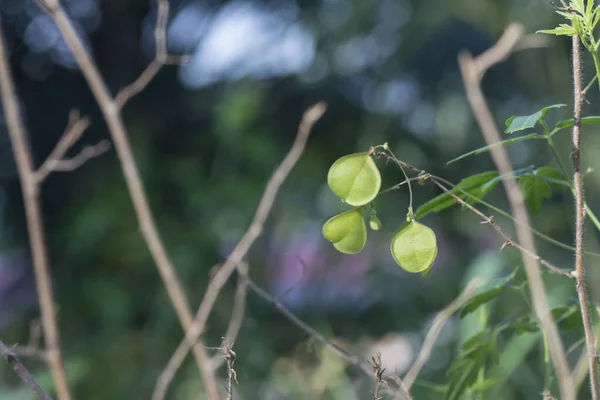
487, 293
516, 124
355, 179
415, 248
535, 189
347, 231
476, 185
567, 123
567, 318
486, 384
562, 29
465, 374
508, 142
554, 177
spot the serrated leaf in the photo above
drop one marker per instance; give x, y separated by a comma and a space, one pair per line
554, 177
567, 123
561, 30
415, 248
347, 231
355, 179
535, 189
487, 293
520, 123
508, 142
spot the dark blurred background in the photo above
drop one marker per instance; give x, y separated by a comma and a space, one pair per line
207, 136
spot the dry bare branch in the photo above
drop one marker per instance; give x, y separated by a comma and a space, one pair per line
472, 70
12, 359
35, 223
229, 356
311, 116
237, 314
378, 374
161, 57
111, 111
56, 161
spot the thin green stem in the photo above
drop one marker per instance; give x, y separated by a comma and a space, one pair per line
410, 215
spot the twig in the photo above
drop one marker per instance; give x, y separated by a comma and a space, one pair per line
12, 359
237, 314
75, 128
35, 224
111, 112
508, 241
229, 356
311, 116
588, 328
436, 328
378, 374
56, 160
471, 70
161, 57
350, 358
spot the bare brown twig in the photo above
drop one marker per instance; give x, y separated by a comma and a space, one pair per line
35, 224
22, 372
588, 327
56, 160
229, 356
378, 374
237, 314
311, 116
161, 57
472, 70
110, 109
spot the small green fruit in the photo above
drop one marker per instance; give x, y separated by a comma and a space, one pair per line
347, 231
415, 248
355, 179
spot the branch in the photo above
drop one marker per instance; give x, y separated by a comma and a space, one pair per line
161, 57
111, 112
375, 363
229, 356
472, 70
35, 223
56, 160
508, 241
590, 341
12, 359
435, 330
237, 314
311, 116
366, 368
